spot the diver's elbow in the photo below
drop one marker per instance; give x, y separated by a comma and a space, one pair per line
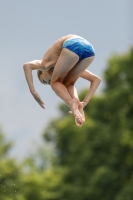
97, 80
26, 66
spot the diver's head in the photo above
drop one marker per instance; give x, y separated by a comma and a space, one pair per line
45, 76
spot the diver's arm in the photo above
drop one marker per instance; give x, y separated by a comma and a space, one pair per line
94, 80
28, 67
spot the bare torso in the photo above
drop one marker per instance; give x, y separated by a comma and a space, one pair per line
51, 56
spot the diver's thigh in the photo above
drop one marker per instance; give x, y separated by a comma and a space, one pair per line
77, 70
65, 63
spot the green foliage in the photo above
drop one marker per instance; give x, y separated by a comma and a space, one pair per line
9, 172
41, 186
98, 156
27, 180
119, 72
4, 145
88, 163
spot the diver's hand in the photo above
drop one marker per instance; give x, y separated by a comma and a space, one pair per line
38, 98
83, 104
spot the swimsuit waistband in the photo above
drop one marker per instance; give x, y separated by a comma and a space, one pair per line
75, 38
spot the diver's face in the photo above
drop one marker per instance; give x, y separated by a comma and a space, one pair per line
45, 78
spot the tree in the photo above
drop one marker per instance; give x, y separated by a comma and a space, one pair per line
26, 180
9, 172
97, 158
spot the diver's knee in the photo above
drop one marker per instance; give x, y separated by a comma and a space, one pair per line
55, 84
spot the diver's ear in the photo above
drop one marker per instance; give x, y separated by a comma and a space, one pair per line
50, 71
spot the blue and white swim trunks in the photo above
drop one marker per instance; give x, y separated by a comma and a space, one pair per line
80, 46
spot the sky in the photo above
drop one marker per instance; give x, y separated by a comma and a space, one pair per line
27, 30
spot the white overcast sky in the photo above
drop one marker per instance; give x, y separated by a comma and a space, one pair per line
27, 29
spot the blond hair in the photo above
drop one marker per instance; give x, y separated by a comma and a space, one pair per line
39, 72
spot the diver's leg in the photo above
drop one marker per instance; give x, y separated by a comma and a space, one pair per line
76, 71
71, 78
65, 63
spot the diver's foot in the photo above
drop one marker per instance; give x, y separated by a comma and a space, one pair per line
80, 108
74, 108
